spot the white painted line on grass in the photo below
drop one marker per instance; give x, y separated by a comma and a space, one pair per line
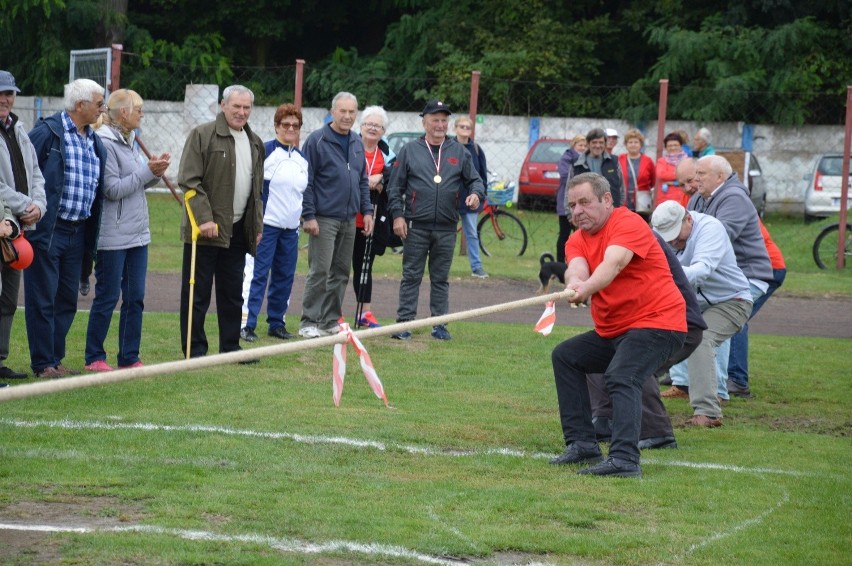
282, 544
785, 498
374, 444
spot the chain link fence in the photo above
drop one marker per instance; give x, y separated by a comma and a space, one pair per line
510, 116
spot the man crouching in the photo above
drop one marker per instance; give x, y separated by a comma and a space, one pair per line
639, 317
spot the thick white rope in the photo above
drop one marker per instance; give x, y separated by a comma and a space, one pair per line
102, 378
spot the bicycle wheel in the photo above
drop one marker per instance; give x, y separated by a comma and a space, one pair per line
825, 246
501, 234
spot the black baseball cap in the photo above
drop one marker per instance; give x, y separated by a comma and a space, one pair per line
435, 106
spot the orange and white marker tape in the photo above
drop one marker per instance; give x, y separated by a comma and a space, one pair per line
547, 320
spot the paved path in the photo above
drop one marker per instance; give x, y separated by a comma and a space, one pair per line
782, 315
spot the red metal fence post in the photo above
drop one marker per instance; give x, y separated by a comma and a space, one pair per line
844, 183
661, 122
474, 100
115, 71
300, 73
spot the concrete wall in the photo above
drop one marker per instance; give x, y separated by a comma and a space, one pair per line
785, 154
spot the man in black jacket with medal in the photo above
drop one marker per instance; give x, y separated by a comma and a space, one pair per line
428, 176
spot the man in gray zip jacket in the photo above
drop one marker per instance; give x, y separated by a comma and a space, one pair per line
423, 197
722, 195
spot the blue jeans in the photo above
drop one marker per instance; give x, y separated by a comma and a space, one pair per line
277, 252
626, 362
51, 284
469, 226
738, 359
118, 271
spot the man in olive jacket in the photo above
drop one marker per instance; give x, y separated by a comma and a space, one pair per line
223, 161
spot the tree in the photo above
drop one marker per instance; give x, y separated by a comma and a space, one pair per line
726, 70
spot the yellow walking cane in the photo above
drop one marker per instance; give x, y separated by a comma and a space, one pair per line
195, 233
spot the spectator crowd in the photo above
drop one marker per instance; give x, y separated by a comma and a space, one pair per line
74, 187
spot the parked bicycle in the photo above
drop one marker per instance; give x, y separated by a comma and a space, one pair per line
501, 233
825, 246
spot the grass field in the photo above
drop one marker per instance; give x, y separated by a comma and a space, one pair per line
254, 464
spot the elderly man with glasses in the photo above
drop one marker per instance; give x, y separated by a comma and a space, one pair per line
72, 159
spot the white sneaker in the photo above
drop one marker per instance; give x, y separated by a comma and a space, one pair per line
311, 332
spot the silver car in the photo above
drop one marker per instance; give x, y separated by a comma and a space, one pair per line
822, 190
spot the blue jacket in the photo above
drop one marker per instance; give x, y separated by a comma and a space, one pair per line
48, 139
337, 185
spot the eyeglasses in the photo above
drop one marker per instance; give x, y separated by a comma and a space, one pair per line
463, 127
372, 126
295, 126
100, 104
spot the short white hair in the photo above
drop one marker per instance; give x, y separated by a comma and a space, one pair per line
236, 89
375, 111
705, 134
343, 95
718, 164
81, 90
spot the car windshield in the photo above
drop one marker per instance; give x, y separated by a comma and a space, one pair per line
548, 152
831, 165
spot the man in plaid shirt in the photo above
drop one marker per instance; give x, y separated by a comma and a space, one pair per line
72, 159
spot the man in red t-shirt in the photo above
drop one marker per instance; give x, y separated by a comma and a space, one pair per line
640, 319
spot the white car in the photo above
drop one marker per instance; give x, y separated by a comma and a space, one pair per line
822, 193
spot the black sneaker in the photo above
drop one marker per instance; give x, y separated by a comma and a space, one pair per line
613, 467
738, 390
576, 454
657, 442
84, 287
280, 332
248, 334
9, 373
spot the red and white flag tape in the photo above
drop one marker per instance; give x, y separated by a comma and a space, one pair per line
547, 320
339, 366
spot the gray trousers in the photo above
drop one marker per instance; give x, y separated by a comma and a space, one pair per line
437, 246
11, 279
723, 321
329, 259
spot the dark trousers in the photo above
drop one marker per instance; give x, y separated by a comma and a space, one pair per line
565, 229
363, 291
51, 284
274, 263
738, 358
436, 247
225, 266
11, 279
625, 361
655, 419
